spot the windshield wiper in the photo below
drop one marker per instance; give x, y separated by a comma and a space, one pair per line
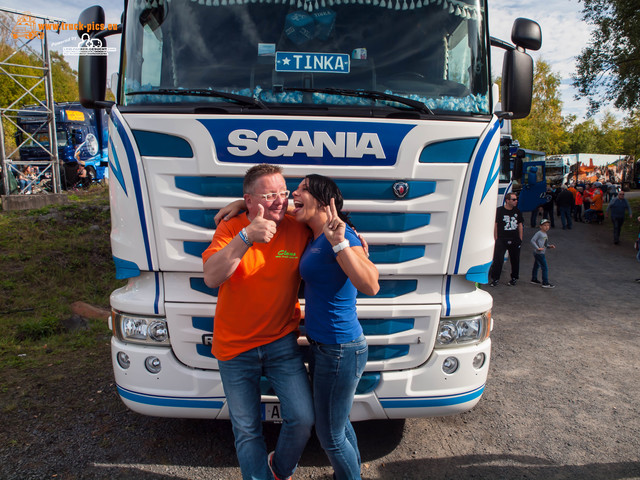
372, 94
203, 92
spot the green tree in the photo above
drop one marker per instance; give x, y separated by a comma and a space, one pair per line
631, 134
583, 137
609, 139
63, 77
608, 69
544, 129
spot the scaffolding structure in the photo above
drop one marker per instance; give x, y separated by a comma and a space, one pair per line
43, 176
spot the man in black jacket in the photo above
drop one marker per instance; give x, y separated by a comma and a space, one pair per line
565, 201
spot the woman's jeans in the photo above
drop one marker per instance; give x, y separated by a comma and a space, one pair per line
281, 362
540, 261
335, 373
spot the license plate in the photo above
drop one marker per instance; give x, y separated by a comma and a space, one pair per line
271, 412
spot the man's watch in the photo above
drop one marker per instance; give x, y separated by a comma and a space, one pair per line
341, 246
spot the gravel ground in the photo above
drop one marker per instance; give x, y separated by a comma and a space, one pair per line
562, 399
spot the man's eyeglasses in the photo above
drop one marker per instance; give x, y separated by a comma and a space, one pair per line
270, 197
514, 199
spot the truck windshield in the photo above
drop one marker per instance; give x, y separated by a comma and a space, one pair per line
43, 139
425, 56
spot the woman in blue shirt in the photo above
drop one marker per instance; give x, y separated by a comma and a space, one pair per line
334, 266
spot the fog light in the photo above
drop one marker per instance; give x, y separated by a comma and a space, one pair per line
123, 360
478, 361
152, 364
450, 365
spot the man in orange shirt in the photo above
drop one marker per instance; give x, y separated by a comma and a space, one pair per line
253, 259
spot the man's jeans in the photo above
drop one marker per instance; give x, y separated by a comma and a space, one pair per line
335, 373
565, 217
540, 261
281, 362
502, 246
617, 226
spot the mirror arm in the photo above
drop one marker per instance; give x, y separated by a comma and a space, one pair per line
106, 33
504, 115
106, 104
496, 42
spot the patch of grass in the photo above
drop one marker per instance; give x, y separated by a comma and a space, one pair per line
37, 329
52, 257
630, 227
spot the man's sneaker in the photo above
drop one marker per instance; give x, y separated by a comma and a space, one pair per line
536, 282
512, 282
548, 285
495, 283
270, 461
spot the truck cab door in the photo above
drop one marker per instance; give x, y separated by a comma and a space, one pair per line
534, 186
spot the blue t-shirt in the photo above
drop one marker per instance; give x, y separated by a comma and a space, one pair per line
330, 297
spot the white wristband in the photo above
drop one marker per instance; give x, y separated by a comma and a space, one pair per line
245, 237
341, 246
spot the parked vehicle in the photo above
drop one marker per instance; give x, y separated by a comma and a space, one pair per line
394, 103
523, 171
81, 136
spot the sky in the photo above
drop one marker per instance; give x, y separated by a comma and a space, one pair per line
564, 35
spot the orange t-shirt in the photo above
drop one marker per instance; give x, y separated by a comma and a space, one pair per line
596, 201
258, 304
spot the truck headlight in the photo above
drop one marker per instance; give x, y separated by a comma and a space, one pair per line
139, 329
456, 331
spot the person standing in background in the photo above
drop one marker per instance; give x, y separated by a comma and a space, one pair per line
565, 202
508, 233
618, 206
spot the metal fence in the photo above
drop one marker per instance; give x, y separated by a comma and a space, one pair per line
29, 177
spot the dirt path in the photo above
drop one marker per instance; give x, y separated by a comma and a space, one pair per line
563, 397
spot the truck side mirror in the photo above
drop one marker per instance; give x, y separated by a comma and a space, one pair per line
517, 83
517, 68
526, 34
92, 69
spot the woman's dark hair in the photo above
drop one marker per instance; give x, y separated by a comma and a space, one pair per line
323, 189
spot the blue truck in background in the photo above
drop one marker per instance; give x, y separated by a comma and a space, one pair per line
522, 171
82, 138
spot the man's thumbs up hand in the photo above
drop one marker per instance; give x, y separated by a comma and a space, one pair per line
261, 230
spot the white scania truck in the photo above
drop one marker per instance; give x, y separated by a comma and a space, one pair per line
392, 99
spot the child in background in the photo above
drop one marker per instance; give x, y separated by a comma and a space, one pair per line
540, 242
